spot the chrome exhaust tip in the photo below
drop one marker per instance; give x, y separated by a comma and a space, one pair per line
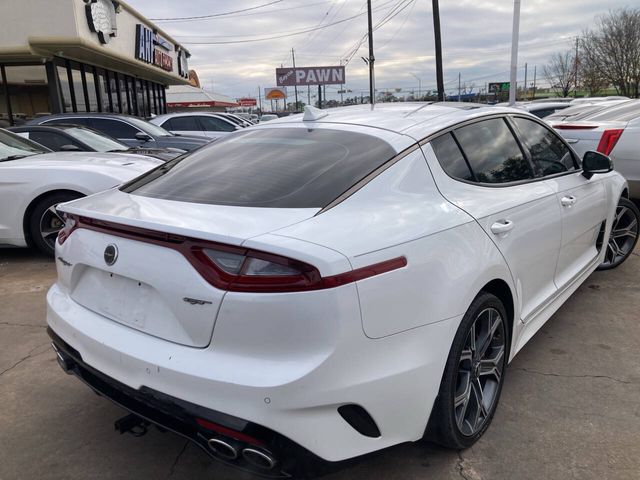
259, 458
223, 449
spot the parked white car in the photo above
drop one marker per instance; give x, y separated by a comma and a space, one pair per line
614, 131
33, 180
201, 123
321, 287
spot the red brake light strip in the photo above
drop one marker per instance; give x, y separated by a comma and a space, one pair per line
309, 277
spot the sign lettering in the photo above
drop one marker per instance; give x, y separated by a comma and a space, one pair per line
146, 41
309, 76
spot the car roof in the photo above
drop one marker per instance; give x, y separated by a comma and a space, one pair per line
57, 127
415, 119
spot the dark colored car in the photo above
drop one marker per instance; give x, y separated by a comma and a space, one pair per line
129, 130
74, 138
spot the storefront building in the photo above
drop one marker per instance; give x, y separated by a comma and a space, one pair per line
84, 56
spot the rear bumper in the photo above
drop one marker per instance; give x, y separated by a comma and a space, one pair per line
180, 417
289, 389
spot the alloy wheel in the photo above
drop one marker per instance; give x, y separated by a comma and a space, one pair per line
623, 236
51, 222
480, 371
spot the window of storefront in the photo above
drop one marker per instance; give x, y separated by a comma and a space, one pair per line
84, 88
24, 93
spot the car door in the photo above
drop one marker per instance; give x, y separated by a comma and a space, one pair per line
581, 200
184, 125
488, 176
122, 131
214, 127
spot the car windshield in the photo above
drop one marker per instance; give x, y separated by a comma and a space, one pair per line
269, 167
97, 141
13, 147
150, 128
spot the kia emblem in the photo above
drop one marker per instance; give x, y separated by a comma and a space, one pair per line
110, 254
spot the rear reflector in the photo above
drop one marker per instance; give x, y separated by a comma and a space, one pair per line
609, 140
240, 269
574, 127
227, 432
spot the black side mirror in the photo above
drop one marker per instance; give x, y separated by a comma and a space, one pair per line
69, 148
595, 162
143, 137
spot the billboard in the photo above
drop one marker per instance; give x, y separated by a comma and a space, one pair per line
275, 93
247, 102
301, 76
499, 87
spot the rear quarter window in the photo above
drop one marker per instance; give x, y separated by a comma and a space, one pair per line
269, 167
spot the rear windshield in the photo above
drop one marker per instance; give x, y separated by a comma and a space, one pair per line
624, 112
269, 167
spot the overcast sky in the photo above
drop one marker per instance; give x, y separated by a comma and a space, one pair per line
476, 37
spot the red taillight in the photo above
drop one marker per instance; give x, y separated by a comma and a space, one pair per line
609, 140
574, 127
241, 269
70, 224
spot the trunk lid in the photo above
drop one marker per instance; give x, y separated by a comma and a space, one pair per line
151, 286
585, 136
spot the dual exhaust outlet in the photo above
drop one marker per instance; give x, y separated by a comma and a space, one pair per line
257, 458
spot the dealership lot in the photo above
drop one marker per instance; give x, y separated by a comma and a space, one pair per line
570, 406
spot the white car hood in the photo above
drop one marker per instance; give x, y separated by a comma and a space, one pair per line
218, 223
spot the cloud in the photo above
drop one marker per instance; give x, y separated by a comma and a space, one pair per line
476, 39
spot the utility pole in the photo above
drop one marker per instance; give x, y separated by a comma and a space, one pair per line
319, 96
575, 71
295, 87
372, 84
535, 68
308, 95
459, 86
526, 89
438, 38
514, 52
260, 97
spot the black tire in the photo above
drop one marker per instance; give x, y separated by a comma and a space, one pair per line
444, 426
623, 236
42, 216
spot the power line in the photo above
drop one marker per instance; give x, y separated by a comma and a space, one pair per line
202, 17
284, 35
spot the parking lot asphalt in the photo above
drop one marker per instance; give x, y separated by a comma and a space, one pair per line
570, 408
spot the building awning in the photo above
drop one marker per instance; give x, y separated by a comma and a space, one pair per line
187, 96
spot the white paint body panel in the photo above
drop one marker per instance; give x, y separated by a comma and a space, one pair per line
381, 342
24, 180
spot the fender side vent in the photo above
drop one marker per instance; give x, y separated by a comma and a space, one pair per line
360, 420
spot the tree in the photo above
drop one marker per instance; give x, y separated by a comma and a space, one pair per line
592, 79
560, 72
613, 48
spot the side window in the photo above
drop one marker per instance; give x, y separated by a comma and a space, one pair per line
493, 153
114, 128
548, 153
167, 125
184, 124
213, 124
68, 121
450, 157
54, 141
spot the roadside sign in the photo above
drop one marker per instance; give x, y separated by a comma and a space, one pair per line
247, 102
300, 76
499, 87
275, 93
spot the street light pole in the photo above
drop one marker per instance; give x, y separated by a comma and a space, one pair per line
438, 38
514, 52
295, 87
419, 83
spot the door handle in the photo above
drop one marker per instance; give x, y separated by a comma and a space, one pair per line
568, 201
502, 226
